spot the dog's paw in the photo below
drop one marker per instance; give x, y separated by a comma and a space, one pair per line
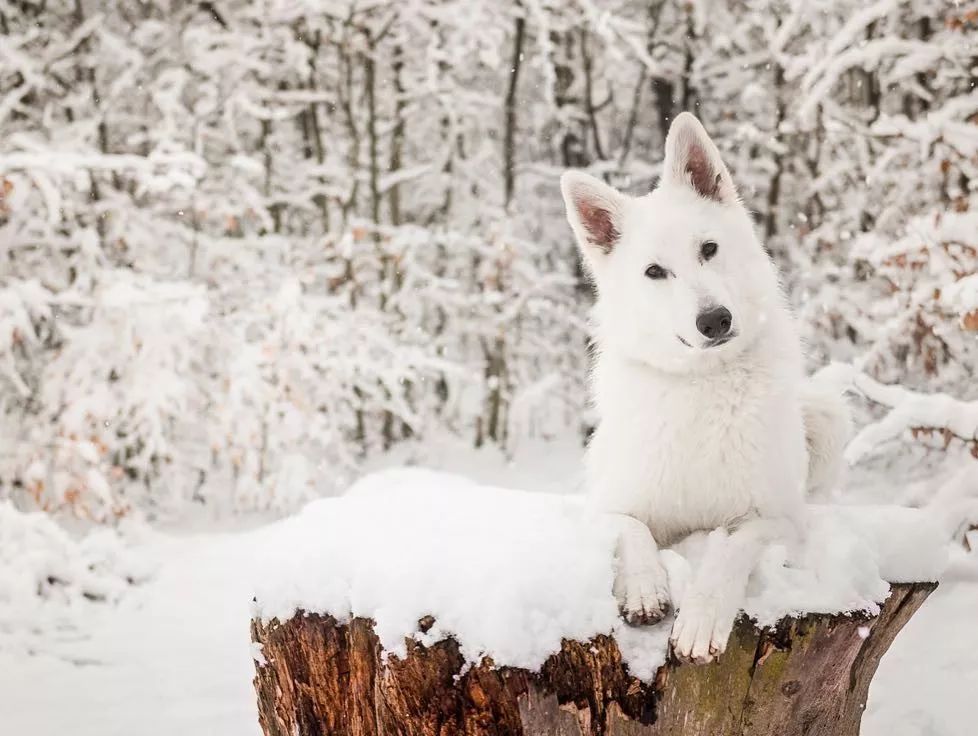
643, 594
702, 628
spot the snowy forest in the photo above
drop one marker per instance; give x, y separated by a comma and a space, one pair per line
247, 248
245, 245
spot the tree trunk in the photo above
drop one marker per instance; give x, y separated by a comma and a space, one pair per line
808, 676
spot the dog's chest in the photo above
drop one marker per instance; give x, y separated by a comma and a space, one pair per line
705, 451
697, 454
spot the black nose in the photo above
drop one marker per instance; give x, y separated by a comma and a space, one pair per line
714, 322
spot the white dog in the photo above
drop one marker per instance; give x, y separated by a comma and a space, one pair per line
706, 418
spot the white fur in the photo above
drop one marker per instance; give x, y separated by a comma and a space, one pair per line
828, 426
693, 437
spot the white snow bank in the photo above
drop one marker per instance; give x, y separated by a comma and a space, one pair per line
47, 577
509, 574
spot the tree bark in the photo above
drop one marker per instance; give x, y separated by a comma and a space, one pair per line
807, 676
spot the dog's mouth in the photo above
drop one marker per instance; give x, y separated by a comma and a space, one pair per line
720, 340
710, 343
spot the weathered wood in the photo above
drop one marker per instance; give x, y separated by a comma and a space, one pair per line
808, 676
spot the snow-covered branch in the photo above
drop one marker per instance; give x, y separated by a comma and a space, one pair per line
906, 411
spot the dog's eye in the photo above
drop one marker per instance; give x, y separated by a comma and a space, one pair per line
708, 250
655, 271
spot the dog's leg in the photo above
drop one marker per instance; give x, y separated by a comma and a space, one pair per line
641, 585
716, 594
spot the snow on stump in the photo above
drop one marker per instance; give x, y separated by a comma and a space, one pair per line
422, 604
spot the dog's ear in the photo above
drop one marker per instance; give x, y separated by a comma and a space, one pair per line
692, 159
594, 211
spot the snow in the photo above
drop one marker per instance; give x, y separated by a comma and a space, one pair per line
509, 574
911, 410
961, 297
48, 581
174, 654
174, 657
906, 411
926, 682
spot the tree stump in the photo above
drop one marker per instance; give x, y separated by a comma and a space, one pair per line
807, 676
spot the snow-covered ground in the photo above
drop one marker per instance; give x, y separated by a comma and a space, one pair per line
174, 655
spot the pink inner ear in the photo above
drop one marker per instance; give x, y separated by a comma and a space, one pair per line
599, 224
704, 179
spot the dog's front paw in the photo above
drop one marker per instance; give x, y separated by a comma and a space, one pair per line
702, 628
643, 594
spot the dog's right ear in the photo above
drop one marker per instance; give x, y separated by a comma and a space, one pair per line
594, 211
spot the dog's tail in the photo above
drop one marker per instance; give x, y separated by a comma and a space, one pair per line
828, 425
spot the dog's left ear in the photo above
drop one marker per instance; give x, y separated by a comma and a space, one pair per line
693, 160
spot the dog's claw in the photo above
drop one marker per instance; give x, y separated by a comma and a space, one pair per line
645, 616
644, 598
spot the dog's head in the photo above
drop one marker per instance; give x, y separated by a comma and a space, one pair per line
682, 280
